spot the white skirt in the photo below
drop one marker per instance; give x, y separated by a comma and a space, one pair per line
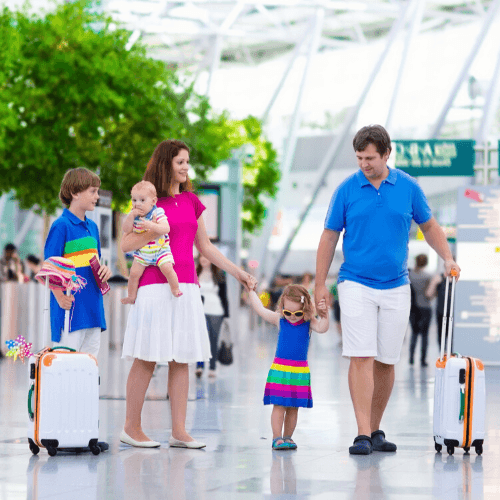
161, 327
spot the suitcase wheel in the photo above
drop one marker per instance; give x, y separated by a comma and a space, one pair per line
52, 451
479, 449
33, 447
451, 450
95, 449
438, 447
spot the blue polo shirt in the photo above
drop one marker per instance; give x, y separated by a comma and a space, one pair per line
78, 240
376, 226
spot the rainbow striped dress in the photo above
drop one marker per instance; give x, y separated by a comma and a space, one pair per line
289, 380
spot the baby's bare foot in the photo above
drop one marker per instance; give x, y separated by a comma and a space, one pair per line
128, 300
176, 292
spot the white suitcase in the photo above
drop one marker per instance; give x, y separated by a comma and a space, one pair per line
63, 399
459, 394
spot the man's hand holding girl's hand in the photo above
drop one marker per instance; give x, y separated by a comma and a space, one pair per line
322, 308
321, 293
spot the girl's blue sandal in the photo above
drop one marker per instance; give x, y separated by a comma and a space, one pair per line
281, 446
290, 442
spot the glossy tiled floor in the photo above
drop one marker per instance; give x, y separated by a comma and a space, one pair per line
238, 462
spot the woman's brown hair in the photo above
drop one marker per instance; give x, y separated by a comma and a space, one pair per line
159, 170
295, 294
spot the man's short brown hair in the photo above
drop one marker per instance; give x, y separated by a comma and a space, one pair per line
372, 134
75, 181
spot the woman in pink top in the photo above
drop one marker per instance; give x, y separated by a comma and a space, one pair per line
161, 327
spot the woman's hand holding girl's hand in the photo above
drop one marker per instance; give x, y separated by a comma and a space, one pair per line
247, 280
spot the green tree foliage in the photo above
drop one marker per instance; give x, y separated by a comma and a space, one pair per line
73, 96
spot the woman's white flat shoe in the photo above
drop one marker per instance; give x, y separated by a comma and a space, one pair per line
175, 443
125, 438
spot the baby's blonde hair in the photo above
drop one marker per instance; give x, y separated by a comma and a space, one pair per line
300, 295
146, 186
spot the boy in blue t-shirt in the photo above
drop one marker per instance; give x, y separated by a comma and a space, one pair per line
75, 237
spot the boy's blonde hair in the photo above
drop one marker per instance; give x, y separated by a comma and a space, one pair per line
75, 181
146, 186
300, 295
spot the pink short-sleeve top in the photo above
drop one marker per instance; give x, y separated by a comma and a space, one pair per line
182, 211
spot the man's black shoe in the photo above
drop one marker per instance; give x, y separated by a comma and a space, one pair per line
362, 445
380, 443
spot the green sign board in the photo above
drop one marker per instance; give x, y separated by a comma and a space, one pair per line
435, 157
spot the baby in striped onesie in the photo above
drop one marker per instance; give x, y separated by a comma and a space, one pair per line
145, 215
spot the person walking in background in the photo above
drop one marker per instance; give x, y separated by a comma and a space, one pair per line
213, 291
34, 265
288, 384
437, 289
374, 207
307, 282
161, 327
11, 267
420, 318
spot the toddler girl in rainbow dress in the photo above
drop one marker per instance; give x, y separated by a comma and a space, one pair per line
288, 384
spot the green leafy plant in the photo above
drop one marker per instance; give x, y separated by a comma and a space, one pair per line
73, 96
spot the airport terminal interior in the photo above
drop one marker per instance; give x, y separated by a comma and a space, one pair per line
227, 413
307, 74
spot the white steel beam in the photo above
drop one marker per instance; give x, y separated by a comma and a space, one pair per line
416, 13
489, 17
216, 52
490, 105
334, 148
133, 38
314, 34
291, 62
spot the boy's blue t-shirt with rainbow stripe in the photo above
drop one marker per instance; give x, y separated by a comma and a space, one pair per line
78, 240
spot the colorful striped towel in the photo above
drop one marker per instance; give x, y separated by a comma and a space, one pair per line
61, 274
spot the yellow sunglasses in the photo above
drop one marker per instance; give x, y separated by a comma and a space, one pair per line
297, 314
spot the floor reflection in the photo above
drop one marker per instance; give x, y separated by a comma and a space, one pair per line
458, 478
283, 477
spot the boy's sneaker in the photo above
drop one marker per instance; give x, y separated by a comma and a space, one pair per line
380, 443
362, 445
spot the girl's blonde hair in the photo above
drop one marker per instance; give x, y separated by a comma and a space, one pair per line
300, 295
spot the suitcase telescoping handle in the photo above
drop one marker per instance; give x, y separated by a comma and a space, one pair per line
447, 325
45, 336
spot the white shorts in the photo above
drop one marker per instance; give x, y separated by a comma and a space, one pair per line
86, 340
374, 322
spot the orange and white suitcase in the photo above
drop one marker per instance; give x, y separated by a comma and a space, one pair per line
63, 399
459, 393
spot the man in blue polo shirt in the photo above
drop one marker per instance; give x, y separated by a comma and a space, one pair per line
374, 207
